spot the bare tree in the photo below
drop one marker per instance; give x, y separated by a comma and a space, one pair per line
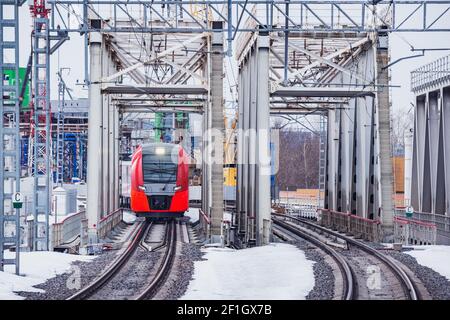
402, 120
299, 160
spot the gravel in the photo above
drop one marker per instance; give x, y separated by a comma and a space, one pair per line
179, 280
437, 285
64, 285
129, 281
323, 274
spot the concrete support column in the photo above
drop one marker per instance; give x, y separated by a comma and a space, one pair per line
263, 167
384, 137
217, 131
94, 177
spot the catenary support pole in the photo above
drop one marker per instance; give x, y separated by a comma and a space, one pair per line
263, 165
217, 127
94, 203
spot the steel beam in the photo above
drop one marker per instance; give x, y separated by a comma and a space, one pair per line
304, 16
263, 160
328, 92
162, 89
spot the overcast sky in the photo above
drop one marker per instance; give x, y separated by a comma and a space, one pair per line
70, 55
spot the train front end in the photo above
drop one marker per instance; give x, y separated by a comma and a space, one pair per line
160, 181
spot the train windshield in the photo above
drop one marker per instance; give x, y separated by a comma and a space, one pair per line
159, 168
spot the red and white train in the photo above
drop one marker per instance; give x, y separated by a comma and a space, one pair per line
159, 180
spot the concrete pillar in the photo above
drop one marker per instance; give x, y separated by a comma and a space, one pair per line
218, 127
94, 177
384, 137
263, 167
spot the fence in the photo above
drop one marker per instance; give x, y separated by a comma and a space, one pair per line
107, 223
350, 224
410, 231
66, 231
308, 211
442, 223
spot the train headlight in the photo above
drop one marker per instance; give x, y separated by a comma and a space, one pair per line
142, 188
160, 151
176, 188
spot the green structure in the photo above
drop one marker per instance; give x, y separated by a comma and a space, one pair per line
10, 75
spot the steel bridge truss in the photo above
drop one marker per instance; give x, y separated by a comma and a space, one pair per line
337, 75
430, 183
313, 53
168, 16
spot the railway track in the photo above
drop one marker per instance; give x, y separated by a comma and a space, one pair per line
358, 257
138, 244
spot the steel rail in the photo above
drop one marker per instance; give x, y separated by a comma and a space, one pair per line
349, 280
114, 268
144, 245
166, 264
407, 284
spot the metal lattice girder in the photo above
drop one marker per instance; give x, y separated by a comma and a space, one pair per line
430, 176
9, 132
40, 146
173, 89
322, 92
247, 15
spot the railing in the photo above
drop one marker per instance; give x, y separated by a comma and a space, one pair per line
442, 223
433, 73
68, 229
107, 223
205, 223
308, 211
410, 231
350, 224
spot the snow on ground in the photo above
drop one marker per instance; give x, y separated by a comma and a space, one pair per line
275, 271
434, 257
128, 216
35, 268
192, 213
